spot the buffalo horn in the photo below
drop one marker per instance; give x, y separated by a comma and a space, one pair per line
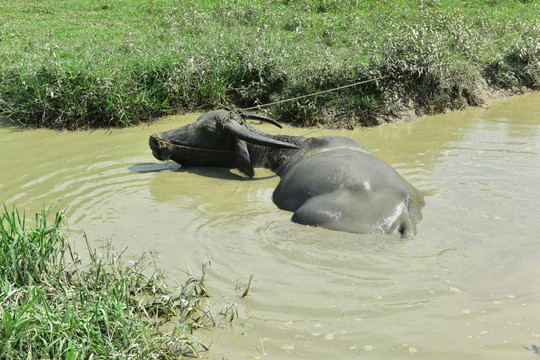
263, 118
240, 132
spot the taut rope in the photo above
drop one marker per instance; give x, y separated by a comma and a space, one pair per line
316, 93
162, 144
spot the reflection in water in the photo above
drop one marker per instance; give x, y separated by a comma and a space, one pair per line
465, 287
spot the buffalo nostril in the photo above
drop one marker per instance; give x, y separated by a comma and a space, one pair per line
406, 229
402, 230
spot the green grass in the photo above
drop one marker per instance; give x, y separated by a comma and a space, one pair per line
77, 64
52, 307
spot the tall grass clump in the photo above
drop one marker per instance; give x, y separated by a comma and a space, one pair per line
52, 307
75, 64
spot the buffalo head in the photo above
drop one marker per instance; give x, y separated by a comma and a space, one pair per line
218, 138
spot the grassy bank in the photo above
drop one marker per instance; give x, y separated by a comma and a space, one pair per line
52, 307
77, 64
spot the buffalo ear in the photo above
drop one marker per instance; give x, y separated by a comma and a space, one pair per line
242, 159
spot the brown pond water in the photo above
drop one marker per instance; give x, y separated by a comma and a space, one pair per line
467, 286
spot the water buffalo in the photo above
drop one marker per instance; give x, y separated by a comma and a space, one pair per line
328, 181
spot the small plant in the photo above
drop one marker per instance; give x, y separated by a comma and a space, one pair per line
246, 291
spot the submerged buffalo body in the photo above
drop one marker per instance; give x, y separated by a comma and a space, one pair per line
329, 181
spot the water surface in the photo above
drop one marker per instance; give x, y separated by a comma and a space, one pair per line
467, 286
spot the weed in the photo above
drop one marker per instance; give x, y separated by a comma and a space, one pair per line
246, 291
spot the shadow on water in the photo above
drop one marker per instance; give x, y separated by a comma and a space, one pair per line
212, 172
154, 167
535, 349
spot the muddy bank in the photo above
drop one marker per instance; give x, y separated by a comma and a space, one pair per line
408, 104
406, 109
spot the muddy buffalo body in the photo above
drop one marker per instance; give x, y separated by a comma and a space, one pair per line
328, 181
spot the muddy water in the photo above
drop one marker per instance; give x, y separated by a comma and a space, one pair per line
467, 286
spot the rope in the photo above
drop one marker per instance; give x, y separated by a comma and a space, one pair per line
316, 93
164, 144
